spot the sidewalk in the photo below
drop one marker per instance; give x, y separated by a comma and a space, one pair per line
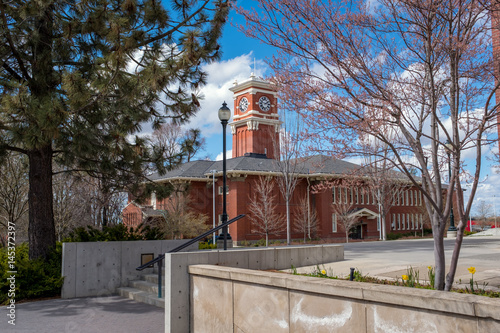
484, 256
85, 315
385, 260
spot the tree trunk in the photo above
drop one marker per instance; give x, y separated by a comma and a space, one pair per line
454, 258
347, 236
42, 233
439, 259
288, 221
383, 228
104, 216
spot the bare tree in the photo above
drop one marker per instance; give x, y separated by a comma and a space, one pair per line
81, 200
176, 145
13, 192
265, 220
382, 181
483, 212
344, 215
424, 70
179, 221
287, 161
305, 219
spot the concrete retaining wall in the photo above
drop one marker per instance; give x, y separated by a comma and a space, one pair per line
98, 268
240, 300
177, 283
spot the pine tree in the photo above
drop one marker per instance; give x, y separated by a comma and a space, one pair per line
78, 78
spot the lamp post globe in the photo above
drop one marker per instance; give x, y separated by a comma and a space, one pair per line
224, 116
224, 113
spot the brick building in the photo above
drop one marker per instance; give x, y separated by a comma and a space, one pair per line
254, 128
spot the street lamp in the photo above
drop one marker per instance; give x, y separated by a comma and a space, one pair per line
224, 115
449, 148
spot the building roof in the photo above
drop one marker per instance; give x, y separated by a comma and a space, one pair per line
256, 164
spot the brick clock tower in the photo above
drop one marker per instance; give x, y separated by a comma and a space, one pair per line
256, 123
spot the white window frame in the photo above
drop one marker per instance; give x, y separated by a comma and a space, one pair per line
333, 194
220, 190
334, 222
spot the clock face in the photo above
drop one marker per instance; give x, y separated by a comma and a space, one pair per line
264, 103
243, 104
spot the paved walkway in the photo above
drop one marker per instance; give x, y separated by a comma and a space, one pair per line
390, 260
85, 315
381, 259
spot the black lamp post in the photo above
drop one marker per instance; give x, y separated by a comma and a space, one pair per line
449, 147
224, 115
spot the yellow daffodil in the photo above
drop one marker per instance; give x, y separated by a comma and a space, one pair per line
323, 272
404, 277
472, 270
429, 267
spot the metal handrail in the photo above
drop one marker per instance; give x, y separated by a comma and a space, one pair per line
160, 257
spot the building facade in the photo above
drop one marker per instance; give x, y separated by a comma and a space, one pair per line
321, 182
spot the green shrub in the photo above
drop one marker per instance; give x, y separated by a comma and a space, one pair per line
245, 243
260, 242
393, 236
34, 278
118, 232
206, 246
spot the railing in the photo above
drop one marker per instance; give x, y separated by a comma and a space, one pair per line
160, 258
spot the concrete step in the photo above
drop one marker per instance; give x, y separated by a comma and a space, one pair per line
150, 287
142, 296
153, 278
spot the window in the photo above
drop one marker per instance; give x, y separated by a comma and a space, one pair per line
362, 196
357, 195
420, 197
393, 222
403, 221
220, 190
399, 221
345, 192
407, 201
333, 194
334, 222
408, 221
350, 196
411, 198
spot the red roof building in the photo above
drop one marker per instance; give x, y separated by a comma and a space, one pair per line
254, 128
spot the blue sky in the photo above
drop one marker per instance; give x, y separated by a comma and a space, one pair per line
242, 56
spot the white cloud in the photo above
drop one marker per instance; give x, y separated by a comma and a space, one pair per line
229, 154
221, 76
